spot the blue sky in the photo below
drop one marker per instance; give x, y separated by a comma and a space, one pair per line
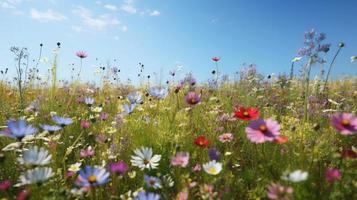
163, 34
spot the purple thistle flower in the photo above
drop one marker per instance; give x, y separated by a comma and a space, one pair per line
118, 167
260, 131
193, 98
345, 123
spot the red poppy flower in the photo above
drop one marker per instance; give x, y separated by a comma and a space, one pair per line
216, 59
202, 141
281, 139
348, 153
247, 113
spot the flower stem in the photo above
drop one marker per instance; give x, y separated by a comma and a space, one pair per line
329, 69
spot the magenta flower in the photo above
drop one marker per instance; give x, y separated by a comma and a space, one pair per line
85, 124
4, 185
118, 167
193, 98
180, 159
88, 152
225, 137
196, 168
260, 131
332, 175
345, 123
81, 54
279, 192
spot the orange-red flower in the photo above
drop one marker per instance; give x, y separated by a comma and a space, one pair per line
247, 113
202, 141
281, 139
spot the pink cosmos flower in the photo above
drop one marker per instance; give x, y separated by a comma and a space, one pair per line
260, 131
225, 137
279, 192
345, 123
332, 175
81, 54
118, 167
180, 159
88, 152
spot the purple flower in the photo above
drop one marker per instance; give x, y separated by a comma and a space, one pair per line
260, 131
214, 154
104, 116
49, 128
62, 121
332, 175
345, 123
18, 129
152, 181
92, 176
118, 167
147, 196
193, 98
89, 101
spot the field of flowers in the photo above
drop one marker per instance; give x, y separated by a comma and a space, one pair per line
254, 137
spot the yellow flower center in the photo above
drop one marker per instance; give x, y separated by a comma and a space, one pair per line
245, 113
212, 170
92, 179
345, 122
263, 128
146, 162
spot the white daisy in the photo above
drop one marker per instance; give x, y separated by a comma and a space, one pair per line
144, 158
295, 176
37, 175
213, 167
75, 167
35, 156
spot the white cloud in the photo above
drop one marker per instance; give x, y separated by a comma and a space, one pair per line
110, 7
154, 13
78, 29
9, 3
124, 28
99, 23
46, 16
129, 7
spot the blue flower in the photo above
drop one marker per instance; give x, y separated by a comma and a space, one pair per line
135, 98
18, 129
157, 92
152, 181
147, 196
62, 121
49, 128
128, 109
89, 101
92, 176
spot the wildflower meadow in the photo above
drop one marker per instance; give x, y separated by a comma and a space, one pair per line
253, 137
